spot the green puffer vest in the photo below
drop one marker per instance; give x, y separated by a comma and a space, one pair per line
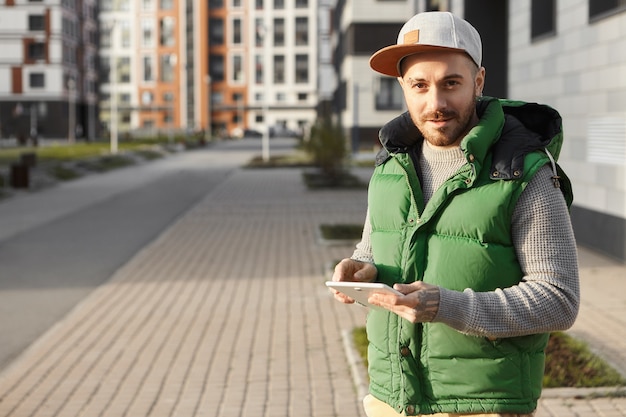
460, 239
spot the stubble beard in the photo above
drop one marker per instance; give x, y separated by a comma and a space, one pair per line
448, 135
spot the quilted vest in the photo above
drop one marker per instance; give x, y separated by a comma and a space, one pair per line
460, 239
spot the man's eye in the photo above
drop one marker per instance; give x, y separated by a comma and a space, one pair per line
452, 83
419, 85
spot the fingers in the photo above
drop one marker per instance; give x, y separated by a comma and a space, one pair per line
352, 270
420, 302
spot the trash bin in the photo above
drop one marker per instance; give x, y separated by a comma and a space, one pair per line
19, 175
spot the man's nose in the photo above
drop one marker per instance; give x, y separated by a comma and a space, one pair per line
436, 99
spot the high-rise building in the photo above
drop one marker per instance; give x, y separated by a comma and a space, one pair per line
263, 64
48, 78
186, 65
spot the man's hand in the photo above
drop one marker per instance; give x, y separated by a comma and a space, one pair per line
420, 302
353, 271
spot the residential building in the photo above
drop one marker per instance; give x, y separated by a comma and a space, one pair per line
274, 68
223, 65
571, 54
48, 69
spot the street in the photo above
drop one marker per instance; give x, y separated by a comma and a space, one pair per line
52, 254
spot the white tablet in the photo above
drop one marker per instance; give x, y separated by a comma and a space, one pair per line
360, 291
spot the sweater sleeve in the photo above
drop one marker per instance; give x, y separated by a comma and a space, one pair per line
363, 251
547, 298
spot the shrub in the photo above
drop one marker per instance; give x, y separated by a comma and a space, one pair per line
327, 147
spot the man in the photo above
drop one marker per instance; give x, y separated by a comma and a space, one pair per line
468, 218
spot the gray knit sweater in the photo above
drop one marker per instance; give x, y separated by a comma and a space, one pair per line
547, 298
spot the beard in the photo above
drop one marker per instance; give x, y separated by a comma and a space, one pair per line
459, 123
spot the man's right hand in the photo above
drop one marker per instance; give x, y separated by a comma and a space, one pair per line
352, 271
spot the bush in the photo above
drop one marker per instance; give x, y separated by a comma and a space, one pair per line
327, 147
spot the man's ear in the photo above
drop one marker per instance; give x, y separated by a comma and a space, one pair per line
479, 81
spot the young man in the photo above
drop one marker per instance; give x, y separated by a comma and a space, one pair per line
468, 218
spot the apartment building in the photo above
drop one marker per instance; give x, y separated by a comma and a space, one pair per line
48, 73
223, 65
571, 54
142, 54
267, 76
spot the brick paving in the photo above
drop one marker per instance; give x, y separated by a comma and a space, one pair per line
225, 314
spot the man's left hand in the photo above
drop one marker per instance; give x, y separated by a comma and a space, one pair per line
419, 304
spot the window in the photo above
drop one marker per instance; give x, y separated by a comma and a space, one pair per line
168, 97
36, 50
237, 36
36, 22
125, 33
260, 32
302, 31
123, 69
258, 4
105, 69
147, 32
37, 80
237, 68
216, 31
258, 69
216, 4
543, 18
389, 94
302, 3
167, 31
166, 4
279, 4
147, 98
302, 68
69, 54
602, 8
436, 5
147, 4
167, 64
216, 68
148, 69
279, 69
105, 36
302, 96
236, 3
279, 32
217, 97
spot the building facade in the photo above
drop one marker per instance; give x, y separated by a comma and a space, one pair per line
571, 54
280, 63
48, 69
218, 65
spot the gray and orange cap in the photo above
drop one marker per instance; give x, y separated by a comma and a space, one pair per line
429, 31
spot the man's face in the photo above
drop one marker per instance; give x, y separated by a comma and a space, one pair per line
440, 89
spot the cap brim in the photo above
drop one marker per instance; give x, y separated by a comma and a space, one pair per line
386, 60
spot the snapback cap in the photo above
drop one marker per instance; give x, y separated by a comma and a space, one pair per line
427, 32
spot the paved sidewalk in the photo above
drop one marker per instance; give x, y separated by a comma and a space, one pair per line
225, 314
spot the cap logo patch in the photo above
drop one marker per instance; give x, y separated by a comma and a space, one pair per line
412, 37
